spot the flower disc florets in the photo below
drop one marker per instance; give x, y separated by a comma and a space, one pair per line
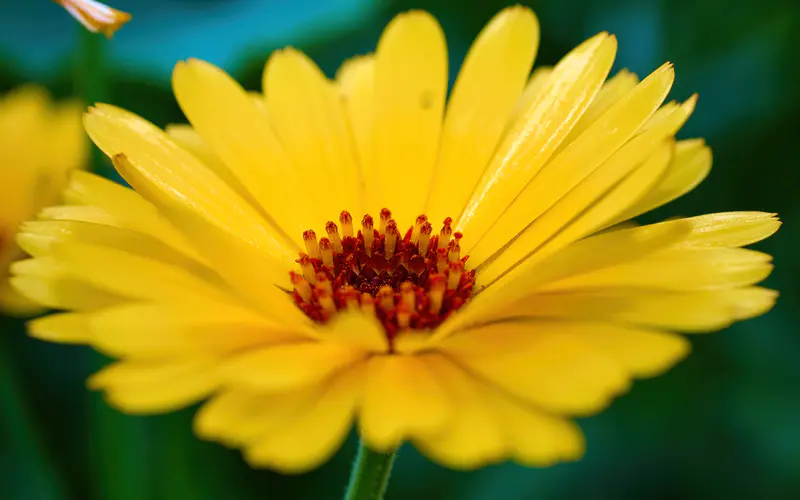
413, 281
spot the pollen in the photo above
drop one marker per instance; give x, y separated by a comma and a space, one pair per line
410, 281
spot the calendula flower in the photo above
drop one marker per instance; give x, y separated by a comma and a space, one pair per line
40, 143
446, 271
95, 16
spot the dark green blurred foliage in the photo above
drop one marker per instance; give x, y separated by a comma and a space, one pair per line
722, 424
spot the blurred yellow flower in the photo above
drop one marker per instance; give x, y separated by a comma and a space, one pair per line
475, 331
95, 16
40, 142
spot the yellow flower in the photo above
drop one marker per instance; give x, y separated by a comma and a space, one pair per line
40, 142
476, 338
95, 16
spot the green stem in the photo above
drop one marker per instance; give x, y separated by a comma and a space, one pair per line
119, 442
370, 474
24, 443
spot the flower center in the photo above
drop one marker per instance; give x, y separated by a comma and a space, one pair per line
409, 282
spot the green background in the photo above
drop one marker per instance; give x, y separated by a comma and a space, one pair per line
723, 424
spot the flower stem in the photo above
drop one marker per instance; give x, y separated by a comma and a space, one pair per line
370, 474
118, 442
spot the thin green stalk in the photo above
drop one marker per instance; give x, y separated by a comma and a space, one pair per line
90, 81
118, 442
370, 474
20, 430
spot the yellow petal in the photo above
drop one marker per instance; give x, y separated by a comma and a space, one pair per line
679, 269
67, 147
665, 113
23, 117
410, 89
626, 192
239, 416
257, 98
123, 206
92, 214
686, 311
41, 267
130, 275
731, 229
309, 119
167, 175
227, 410
402, 398
473, 437
63, 293
613, 90
39, 238
642, 353
203, 328
596, 252
155, 387
750, 302
691, 164
224, 115
604, 193
65, 328
529, 247
536, 85
290, 366
252, 277
188, 138
536, 134
534, 438
356, 81
359, 330
582, 164
726, 229
488, 86
540, 362
14, 304
314, 436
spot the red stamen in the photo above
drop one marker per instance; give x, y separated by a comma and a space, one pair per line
346, 220
422, 219
386, 216
310, 239
437, 286
333, 234
454, 276
324, 283
416, 280
403, 315
301, 286
326, 251
386, 298
307, 266
441, 260
445, 233
367, 233
325, 299
424, 237
407, 293
367, 303
390, 242
350, 298
455, 249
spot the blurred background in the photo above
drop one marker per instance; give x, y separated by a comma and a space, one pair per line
723, 424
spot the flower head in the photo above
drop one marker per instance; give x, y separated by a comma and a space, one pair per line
450, 273
95, 16
40, 143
